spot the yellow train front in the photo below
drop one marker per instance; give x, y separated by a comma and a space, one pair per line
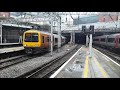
35, 41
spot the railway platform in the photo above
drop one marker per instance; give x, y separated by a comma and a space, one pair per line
4, 45
10, 49
9, 44
81, 65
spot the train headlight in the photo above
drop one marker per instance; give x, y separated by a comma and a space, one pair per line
36, 45
25, 45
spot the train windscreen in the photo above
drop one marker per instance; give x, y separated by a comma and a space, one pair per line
31, 37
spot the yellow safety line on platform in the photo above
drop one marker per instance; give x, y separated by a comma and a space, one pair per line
85, 74
101, 69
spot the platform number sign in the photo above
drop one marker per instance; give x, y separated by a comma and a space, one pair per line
91, 30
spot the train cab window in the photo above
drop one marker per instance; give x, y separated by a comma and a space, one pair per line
31, 37
95, 39
28, 37
110, 39
42, 39
34, 37
103, 40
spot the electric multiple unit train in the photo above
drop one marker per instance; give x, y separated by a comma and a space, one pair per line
35, 41
108, 41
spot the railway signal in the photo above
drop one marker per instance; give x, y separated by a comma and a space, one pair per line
84, 29
89, 32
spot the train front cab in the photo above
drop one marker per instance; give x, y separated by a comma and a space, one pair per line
31, 41
113, 42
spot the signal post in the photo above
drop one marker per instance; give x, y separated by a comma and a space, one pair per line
89, 33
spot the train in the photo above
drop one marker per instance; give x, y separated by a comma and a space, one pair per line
108, 41
35, 41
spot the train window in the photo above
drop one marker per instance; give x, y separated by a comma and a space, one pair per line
34, 37
95, 39
119, 40
48, 39
110, 39
28, 37
103, 39
42, 39
31, 37
56, 40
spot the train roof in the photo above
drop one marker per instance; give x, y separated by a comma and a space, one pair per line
101, 36
111, 35
114, 35
32, 30
37, 31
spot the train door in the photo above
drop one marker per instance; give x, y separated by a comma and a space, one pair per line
43, 41
48, 41
116, 41
56, 41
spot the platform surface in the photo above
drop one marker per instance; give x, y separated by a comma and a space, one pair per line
11, 49
81, 65
10, 43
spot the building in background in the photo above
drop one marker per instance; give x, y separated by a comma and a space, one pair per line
103, 20
4, 14
108, 16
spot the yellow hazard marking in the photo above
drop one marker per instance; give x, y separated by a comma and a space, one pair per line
105, 75
85, 74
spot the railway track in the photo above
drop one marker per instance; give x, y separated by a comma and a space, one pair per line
18, 58
5, 63
114, 56
47, 69
11, 54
